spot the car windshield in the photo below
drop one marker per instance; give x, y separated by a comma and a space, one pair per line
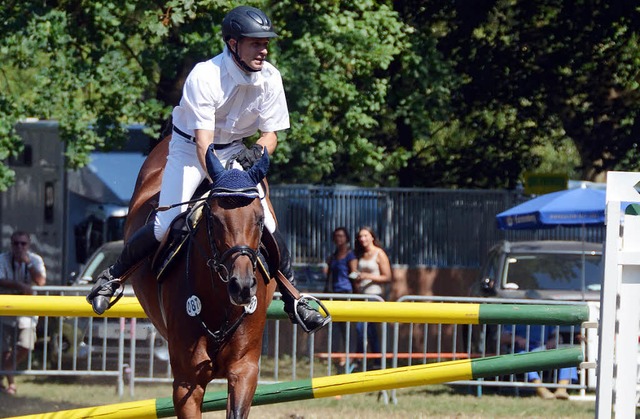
101, 260
553, 272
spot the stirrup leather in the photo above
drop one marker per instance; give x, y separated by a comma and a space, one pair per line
307, 297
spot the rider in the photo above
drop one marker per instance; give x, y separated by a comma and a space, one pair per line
224, 100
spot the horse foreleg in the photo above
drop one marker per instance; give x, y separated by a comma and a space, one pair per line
242, 384
187, 399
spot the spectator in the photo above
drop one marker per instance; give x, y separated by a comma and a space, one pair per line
536, 342
19, 270
340, 264
374, 272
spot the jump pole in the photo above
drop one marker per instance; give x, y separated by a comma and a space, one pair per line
341, 311
362, 382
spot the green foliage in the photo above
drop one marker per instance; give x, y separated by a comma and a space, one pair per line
409, 93
564, 71
97, 64
334, 59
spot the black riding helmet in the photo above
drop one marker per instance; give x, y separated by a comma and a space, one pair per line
246, 22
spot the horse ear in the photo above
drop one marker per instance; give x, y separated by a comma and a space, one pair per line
259, 169
214, 167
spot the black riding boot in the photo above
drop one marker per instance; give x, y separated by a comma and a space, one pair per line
140, 245
312, 319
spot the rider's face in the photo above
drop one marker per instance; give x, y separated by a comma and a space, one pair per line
252, 51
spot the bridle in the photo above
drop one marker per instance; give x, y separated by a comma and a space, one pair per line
218, 265
218, 262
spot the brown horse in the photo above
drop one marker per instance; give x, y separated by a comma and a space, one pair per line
201, 302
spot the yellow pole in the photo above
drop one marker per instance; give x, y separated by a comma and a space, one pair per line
58, 306
341, 311
77, 306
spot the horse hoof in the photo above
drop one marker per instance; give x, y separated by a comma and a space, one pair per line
100, 304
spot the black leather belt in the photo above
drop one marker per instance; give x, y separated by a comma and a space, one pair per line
191, 138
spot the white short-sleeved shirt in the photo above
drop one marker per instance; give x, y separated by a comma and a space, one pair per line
219, 96
13, 271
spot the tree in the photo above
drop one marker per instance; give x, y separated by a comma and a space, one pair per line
97, 66
335, 57
105, 64
550, 70
524, 79
410, 93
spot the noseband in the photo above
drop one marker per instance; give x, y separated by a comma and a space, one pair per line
218, 263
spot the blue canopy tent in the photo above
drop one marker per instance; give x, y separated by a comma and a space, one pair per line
571, 207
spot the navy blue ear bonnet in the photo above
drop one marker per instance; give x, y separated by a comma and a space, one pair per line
236, 182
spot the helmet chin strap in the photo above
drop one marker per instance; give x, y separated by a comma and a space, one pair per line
239, 61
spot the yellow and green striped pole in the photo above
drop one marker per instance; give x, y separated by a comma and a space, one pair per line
415, 375
341, 311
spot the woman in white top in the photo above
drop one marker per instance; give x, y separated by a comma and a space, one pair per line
373, 273
373, 267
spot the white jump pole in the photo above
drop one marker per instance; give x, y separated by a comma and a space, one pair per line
618, 326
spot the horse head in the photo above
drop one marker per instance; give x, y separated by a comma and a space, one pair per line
235, 219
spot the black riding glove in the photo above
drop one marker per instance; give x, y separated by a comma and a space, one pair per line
249, 156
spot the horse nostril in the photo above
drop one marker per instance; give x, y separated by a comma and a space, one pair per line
234, 286
240, 288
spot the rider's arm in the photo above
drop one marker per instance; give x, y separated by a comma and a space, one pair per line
14, 285
204, 138
268, 140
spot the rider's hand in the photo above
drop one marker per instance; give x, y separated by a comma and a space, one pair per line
249, 156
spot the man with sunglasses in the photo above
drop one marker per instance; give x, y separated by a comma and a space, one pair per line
19, 270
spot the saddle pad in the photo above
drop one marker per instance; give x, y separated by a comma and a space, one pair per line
178, 236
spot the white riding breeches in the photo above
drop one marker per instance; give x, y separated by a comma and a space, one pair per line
182, 176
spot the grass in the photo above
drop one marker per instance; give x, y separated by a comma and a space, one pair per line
40, 395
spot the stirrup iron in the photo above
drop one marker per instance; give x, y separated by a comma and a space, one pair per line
118, 293
307, 297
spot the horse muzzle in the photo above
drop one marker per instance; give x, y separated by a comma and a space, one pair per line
241, 290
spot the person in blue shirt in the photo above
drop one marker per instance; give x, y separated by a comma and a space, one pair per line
340, 264
536, 342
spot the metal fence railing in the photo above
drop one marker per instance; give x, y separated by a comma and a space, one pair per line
130, 351
452, 341
429, 227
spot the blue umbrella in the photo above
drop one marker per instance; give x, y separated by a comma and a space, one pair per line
571, 207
